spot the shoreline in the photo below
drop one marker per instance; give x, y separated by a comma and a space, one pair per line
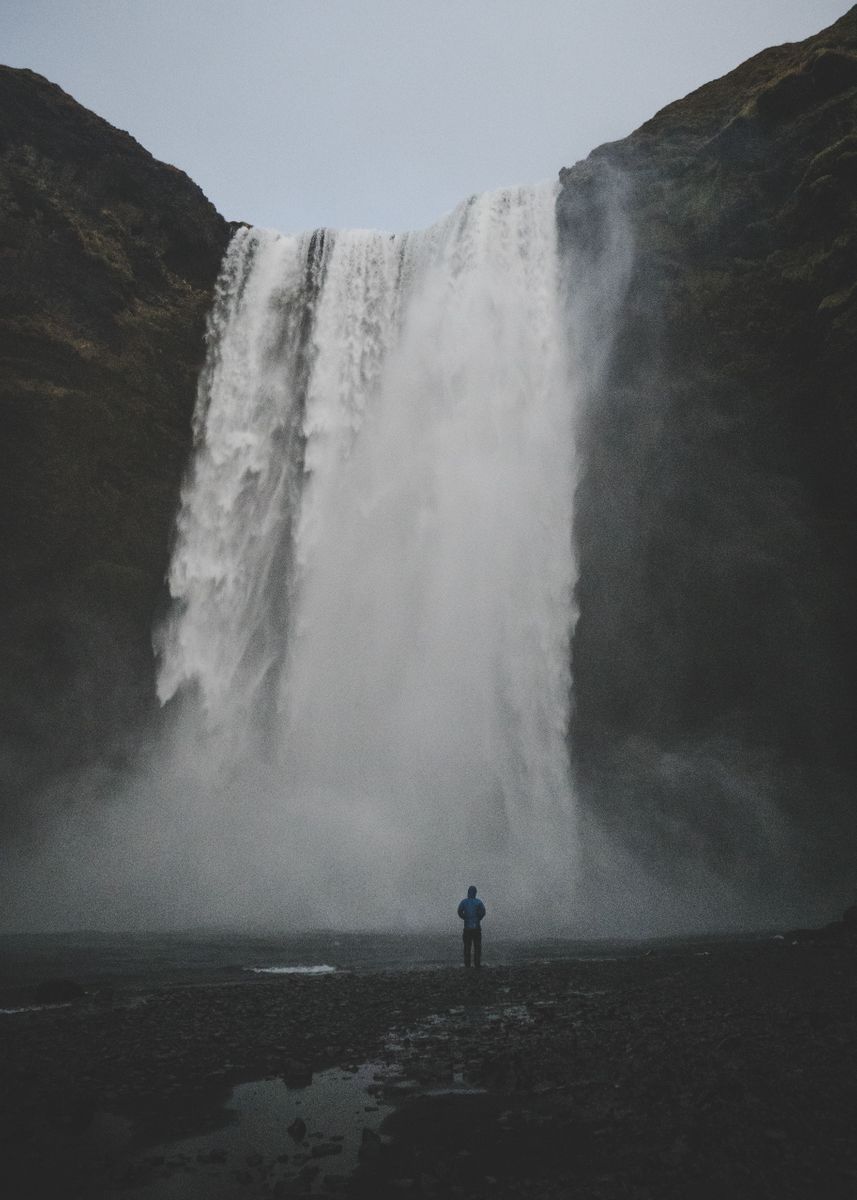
676, 1073
95, 960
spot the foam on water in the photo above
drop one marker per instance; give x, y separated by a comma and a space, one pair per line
320, 969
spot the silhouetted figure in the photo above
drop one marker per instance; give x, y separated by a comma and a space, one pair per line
471, 911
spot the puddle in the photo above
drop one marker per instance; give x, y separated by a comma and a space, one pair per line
274, 1140
256, 1150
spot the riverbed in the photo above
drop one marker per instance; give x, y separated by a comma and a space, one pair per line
708, 1070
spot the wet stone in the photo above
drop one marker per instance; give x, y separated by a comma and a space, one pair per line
370, 1146
297, 1129
212, 1156
296, 1074
326, 1149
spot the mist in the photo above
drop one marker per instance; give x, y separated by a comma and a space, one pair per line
368, 666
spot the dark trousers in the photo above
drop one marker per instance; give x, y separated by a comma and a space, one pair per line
473, 938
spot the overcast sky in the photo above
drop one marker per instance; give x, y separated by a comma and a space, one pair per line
384, 113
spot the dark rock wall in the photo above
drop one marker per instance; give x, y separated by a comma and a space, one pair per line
716, 653
107, 265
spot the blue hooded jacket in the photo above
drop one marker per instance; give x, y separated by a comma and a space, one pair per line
471, 910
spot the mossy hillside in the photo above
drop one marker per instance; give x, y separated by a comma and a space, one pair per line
718, 509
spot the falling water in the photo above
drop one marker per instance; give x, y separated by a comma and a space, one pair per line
373, 575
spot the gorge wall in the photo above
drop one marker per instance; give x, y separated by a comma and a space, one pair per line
108, 266
716, 652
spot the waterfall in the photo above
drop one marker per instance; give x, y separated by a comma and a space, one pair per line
373, 573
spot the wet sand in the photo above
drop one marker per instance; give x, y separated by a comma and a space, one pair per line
690, 1074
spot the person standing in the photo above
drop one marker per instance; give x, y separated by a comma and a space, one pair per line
472, 910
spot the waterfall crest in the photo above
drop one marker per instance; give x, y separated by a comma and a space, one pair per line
373, 574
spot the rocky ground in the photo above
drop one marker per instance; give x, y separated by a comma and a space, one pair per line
726, 1072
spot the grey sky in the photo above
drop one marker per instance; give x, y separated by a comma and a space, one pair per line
384, 113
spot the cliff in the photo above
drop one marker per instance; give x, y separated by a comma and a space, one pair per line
716, 654
108, 265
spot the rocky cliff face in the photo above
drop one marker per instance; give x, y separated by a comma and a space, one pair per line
716, 655
108, 265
